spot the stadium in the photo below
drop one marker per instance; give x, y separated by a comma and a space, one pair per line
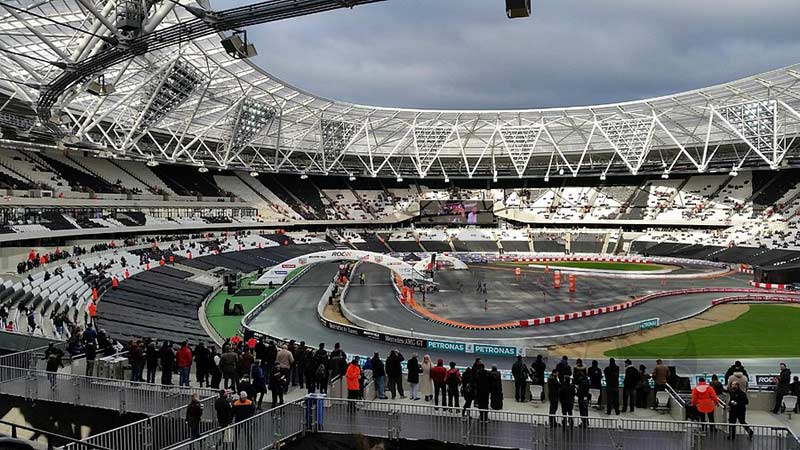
185, 234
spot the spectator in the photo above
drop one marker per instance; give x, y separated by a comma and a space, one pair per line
352, 377
497, 389
553, 396
566, 396
224, 409
738, 377
439, 376
322, 370
243, 407
310, 371
468, 388
299, 368
379, 375
579, 372
427, 385
716, 385
629, 385
228, 365
90, 352
184, 361
414, 369
194, 413
595, 375
736, 367
394, 373
284, 360
704, 400
3, 316
202, 364
660, 376
520, 373
213, 368
53, 357
166, 357
783, 387
537, 371
453, 382
563, 368
643, 389
611, 374
137, 360
483, 389
151, 358
277, 385
338, 360
584, 399
259, 383
737, 410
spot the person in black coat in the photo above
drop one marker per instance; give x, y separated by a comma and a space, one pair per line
783, 388
213, 369
224, 409
566, 396
553, 394
612, 386
497, 390
151, 358
201, 364
563, 368
394, 373
467, 388
537, 371
414, 370
520, 373
311, 370
483, 389
321, 365
595, 375
629, 385
584, 399
737, 410
166, 357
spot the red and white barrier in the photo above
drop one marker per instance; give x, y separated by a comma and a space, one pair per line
629, 304
769, 285
575, 258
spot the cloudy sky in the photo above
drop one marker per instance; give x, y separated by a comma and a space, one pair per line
465, 54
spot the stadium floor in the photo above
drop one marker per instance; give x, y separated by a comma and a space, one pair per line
293, 316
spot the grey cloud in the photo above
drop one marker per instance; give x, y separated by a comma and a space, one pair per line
465, 54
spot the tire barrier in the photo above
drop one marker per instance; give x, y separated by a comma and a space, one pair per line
771, 286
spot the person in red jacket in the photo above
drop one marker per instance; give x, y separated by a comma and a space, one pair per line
184, 361
704, 399
353, 378
439, 376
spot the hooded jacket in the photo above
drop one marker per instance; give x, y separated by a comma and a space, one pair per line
704, 398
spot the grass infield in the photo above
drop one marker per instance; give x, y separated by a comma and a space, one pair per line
228, 326
763, 331
599, 265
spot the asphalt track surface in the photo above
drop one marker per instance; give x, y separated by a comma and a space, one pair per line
375, 302
294, 315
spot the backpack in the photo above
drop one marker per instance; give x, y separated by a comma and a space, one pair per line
452, 380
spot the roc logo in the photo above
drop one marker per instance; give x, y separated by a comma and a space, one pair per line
341, 255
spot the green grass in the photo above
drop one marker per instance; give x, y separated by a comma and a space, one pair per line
763, 331
227, 326
599, 265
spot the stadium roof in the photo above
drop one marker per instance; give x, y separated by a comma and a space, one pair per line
188, 101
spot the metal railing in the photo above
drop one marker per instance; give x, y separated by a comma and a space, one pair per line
160, 431
118, 395
264, 430
535, 431
22, 432
501, 429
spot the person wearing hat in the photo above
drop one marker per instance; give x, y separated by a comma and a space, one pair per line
243, 407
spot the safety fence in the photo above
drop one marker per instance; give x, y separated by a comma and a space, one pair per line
264, 430
118, 395
160, 431
501, 429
